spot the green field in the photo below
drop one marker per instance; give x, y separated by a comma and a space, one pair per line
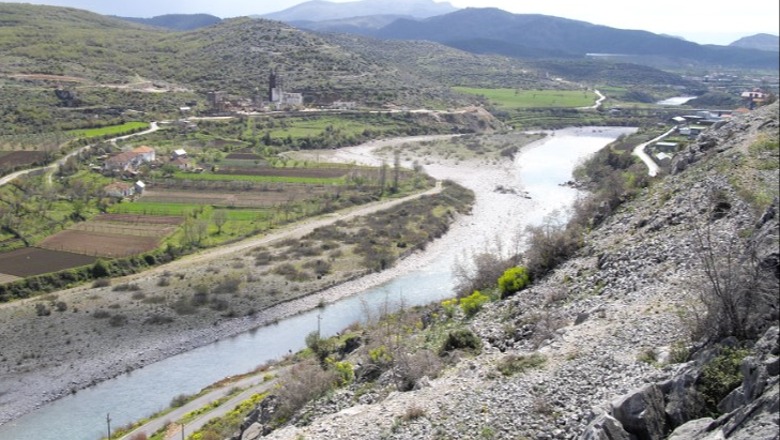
514, 98
113, 130
297, 128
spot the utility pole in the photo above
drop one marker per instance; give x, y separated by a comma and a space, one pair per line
319, 318
182, 431
108, 422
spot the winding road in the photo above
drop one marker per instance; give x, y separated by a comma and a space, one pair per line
640, 152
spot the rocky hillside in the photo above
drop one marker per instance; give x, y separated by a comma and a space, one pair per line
621, 341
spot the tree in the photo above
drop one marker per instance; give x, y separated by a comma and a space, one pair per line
219, 218
382, 177
396, 169
195, 231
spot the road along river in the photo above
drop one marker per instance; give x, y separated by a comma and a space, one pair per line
532, 191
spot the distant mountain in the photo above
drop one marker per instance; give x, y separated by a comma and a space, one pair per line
235, 56
177, 22
319, 10
367, 25
766, 42
479, 29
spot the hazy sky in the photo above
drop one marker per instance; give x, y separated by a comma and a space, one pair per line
705, 22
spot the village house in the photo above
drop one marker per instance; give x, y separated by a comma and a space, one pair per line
119, 163
180, 153
139, 187
182, 163
755, 95
119, 189
147, 153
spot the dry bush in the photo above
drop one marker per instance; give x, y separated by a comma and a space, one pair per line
414, 412
487, 269
546, 323
410, 368
308, 381
736, 288
549, 245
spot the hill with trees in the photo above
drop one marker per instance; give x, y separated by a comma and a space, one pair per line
177, 22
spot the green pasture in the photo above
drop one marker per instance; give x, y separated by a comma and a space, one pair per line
516, 98
297, 127
112, 130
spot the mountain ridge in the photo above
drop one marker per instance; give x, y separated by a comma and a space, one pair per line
765, 42
178, 22
319, 10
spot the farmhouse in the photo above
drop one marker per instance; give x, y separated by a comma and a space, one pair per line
178, 153
119, 163
119, 189
147, 153
182, 163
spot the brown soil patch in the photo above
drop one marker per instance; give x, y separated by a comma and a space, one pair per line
101, 244
35, 261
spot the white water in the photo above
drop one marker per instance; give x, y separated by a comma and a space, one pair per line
538, 169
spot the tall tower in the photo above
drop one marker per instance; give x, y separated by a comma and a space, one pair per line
272, 86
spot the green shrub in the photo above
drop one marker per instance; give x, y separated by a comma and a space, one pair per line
462, 339
345, 371
513, 280
473, 303
100, 269
380, 355
721, 376
321, 347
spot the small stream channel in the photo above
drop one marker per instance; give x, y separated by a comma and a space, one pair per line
538, 170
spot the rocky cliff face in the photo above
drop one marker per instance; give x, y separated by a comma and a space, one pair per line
612, 325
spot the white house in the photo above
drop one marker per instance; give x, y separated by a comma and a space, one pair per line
119, 189
146, 153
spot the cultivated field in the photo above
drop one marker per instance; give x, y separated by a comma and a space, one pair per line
155, 200
294, 173
35, 261
515, 98
113, 235
10, 160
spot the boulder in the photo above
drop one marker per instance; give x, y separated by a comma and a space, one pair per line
252, 432
641, 413
693, 429
605, 427
683, 402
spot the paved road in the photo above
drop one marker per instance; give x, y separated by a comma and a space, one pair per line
254, 385
53, 167
639, 151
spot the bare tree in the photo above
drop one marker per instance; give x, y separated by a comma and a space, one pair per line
736, 288
396, 169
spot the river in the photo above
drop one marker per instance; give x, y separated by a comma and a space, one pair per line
537, 172
676, 100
